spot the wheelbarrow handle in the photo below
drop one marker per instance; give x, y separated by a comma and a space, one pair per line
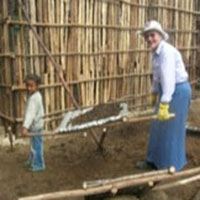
145, 118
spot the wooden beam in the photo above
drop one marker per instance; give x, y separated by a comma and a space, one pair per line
111, 187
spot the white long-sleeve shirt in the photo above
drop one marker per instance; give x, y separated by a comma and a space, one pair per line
168, 69
34, 112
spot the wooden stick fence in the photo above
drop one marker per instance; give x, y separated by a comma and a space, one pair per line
96, 45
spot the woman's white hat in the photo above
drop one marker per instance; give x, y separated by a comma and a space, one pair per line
154, 26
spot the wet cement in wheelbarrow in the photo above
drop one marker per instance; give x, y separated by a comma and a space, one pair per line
101, 111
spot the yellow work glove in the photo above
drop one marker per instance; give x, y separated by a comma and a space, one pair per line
163, 112
154, 99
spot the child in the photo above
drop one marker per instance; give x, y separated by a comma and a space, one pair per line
33, 122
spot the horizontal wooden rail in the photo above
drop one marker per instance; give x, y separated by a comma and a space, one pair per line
6, 117
147, 6
130, 75
6, 86
98, 26
13, 55
73, 25
151, 5
161, 7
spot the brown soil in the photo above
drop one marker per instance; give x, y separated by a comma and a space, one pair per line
196, 92
194, 114
72, 159
98, 112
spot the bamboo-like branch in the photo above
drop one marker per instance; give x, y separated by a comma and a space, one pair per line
111, 187
177, 183
95, 183
134, 119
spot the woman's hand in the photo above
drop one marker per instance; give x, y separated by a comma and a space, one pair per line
163, 112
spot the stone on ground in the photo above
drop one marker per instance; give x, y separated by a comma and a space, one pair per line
197, 196
122, 198
157, 195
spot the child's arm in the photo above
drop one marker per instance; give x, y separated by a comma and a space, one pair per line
29, 116
24, 131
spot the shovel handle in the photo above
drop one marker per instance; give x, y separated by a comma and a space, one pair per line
37, 134
146, 118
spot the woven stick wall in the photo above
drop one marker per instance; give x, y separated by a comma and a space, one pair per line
96, 44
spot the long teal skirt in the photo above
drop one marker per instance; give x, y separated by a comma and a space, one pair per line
167, 139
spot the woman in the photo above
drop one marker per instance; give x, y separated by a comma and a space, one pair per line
170, 82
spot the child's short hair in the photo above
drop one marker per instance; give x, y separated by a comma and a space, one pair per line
33, 77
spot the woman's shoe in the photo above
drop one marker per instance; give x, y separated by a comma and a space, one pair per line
146, 165
36, 170
26, 164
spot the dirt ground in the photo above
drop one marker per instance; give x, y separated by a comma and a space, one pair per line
72, 159
194, 115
